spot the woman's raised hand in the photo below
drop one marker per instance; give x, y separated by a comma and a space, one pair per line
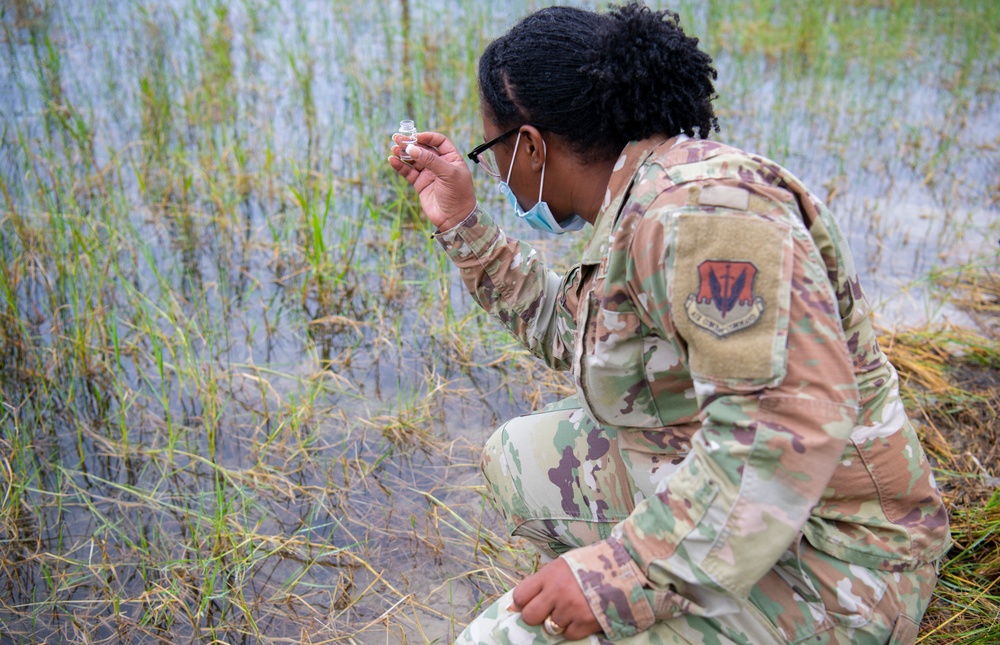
441, 177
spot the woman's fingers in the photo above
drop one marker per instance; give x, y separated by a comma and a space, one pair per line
552, 592
430, 160
404, 170
525, 591
439, 142
420, 157
536, 607
440, 176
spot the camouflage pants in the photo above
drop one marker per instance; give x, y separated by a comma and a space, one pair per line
562, 481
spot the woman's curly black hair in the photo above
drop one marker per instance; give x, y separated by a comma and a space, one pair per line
599, 80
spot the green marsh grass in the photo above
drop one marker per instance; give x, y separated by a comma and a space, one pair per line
242, 393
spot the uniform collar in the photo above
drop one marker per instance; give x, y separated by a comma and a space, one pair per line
622, 177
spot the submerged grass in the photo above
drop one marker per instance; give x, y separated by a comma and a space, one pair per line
242, 394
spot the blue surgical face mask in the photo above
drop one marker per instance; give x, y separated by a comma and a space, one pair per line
538, 217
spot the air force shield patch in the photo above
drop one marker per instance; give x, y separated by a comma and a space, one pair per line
725, 302
730, 295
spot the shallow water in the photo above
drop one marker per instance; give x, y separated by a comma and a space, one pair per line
232, 357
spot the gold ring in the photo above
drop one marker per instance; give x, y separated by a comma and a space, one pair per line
551, 627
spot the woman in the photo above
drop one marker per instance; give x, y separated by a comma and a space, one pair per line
737, 465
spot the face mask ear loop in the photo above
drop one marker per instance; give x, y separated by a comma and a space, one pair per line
545, 153
513, 157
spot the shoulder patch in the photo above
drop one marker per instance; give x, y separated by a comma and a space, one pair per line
730, 286
725, 301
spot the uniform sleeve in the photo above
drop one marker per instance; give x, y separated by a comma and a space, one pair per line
509, 281
747, 298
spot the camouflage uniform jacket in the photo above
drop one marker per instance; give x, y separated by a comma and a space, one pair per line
716, 314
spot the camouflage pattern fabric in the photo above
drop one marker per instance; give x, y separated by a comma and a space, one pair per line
737, 463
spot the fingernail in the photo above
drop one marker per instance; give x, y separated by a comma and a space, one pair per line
413, 150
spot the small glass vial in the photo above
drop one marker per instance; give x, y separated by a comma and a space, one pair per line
408, 135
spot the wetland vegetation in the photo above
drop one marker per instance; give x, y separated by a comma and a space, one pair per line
242, 393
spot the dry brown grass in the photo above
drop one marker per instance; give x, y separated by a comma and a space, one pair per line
950, 378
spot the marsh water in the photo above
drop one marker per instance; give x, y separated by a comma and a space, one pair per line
243, 391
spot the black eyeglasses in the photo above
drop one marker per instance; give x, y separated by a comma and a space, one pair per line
484, 157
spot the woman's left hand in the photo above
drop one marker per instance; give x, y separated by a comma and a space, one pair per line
553, 591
